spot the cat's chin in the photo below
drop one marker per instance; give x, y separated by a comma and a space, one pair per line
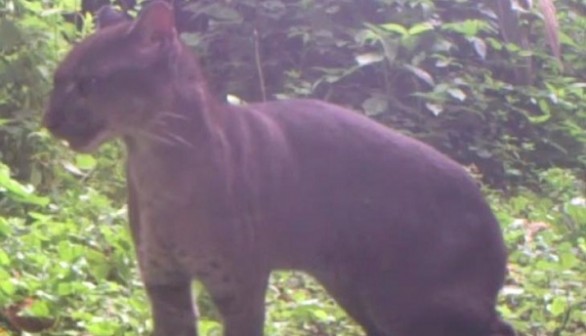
87, 146
83, 148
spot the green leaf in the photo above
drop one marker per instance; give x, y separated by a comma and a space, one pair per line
544, 106
457, 94
4, 258
65, 288
6, 284
420, 73
101, 327
369, 58
558, 306
396, 28
436, 109
420, 28
375, 105
479, 46
85, 161
569, 260
99, 264
17, 191
70, 167
467, 28
321, 315
39, 308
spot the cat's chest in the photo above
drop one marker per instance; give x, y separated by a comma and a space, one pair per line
175, 233
189, 222
177, 240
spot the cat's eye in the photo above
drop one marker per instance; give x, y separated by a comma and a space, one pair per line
86, 85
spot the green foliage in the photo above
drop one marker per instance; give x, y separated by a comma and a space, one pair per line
17, 191
77, 267
548, 254
30, 45
438, 70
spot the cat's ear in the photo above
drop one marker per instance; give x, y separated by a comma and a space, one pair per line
155, 25
108, 16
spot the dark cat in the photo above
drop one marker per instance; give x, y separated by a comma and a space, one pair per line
396, 232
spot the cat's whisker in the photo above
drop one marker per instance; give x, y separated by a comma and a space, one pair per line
158, 138
163, 119
172, 115
179, 139
167, 138
166, 133
159, 122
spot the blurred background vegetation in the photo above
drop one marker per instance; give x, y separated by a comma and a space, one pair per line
499, 85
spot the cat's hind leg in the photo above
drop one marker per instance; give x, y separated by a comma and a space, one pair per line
455, 312
347, 293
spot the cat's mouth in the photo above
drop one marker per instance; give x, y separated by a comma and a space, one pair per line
83, 138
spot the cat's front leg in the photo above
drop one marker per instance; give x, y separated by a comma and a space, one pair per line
173, 310
241, 302
169, 291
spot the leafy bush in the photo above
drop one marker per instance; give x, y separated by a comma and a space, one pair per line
436, 69
546, 235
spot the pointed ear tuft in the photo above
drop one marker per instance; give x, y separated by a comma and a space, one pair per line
156, 22
108, 16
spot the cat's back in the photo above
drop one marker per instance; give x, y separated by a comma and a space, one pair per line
342, 156
325, 133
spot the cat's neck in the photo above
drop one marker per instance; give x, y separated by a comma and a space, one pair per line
193, 119
187, 145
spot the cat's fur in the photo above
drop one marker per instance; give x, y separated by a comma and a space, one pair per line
396, 232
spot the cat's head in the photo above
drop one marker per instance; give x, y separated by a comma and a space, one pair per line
114, 82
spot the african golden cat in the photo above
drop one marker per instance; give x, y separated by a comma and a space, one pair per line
396, 232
